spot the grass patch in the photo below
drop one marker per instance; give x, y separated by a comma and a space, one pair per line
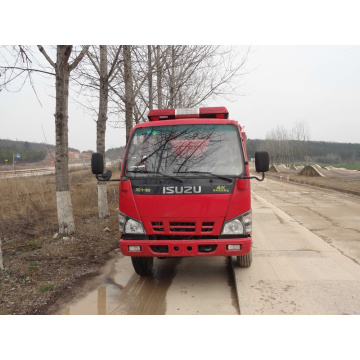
32, 245
32, 265
46, 288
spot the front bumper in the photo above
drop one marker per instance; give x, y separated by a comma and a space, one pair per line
177, 248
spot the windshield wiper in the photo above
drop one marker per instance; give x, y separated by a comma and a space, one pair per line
207, 173
156, 172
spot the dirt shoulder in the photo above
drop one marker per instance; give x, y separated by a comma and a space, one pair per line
40, 267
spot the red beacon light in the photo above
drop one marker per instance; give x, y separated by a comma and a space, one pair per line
205, 112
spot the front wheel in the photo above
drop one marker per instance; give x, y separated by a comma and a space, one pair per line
142, 265
244, 261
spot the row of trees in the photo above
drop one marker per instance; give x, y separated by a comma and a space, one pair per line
121, 83
288, 146
26, 156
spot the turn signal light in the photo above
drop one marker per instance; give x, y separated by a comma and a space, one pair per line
234, 247
134, 248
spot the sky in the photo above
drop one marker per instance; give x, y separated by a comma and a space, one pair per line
319, 85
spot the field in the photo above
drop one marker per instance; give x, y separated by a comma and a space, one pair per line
39, 266
340, 179
347, 166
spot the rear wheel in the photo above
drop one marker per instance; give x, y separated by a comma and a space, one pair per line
142, 265
244, 260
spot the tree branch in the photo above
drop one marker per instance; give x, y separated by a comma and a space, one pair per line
115, 61
26, 69
47, 57
93, 62
78, 59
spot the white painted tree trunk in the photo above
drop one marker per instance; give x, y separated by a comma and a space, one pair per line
65, 213
1, 257
62, 75
102, 200
101, 128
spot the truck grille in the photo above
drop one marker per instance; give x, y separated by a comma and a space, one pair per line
207, 226
157, 226
181, 227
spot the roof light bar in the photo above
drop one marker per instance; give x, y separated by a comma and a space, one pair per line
187, 112
205, 112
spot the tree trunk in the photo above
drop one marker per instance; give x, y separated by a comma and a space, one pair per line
64, 207
101, 129
128, 91
158, 77
172, 79
150, 80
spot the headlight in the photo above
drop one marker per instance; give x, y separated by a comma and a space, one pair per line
233, 227
241, 225
128, 225
134, 227
247, 222
122, 221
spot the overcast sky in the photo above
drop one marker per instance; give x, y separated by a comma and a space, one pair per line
316, 84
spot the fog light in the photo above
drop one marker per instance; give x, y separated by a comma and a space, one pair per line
134, 248
234, 247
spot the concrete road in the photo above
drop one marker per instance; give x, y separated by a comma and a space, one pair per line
306, 257
306, 252
178, 286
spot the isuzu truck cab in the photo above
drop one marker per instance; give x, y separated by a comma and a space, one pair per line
185, 187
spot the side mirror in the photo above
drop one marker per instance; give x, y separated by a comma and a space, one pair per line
262, 161
97, 163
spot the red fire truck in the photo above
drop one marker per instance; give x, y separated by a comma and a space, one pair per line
185, 187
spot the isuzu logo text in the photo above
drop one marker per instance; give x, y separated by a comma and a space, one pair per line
181, 190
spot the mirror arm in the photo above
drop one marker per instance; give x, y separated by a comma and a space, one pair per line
106, 178
253, 177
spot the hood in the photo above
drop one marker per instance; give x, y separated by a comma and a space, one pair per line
183, 206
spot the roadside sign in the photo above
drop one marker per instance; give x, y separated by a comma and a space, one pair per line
76, 156
6, 160
18, 156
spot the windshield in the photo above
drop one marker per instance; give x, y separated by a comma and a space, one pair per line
185, 150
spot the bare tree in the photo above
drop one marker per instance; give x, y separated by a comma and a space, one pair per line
288, 146
150, 77
301, 134
176, 76
62, 72
99, 83
159, 66
61, 69
128, 80
195, 74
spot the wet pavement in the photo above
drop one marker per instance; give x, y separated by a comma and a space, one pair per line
177, 286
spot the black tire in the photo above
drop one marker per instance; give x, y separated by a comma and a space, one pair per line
142, 265
244, 261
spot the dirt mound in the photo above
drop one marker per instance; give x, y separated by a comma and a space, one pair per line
273, 168
311, 170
